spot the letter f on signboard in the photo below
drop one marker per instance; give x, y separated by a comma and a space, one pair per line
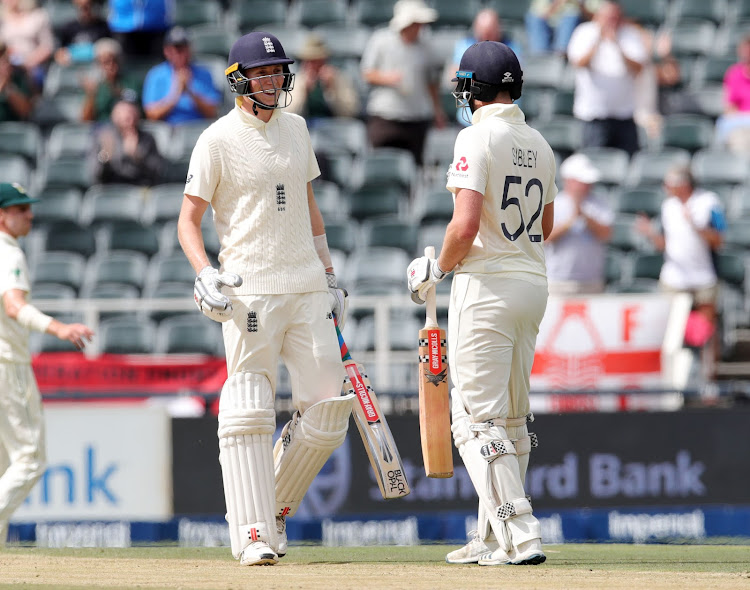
629, 321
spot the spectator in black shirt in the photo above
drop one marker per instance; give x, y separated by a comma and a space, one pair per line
77, 36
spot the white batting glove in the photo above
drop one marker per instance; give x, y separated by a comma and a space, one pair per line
208, 296
339, 299
423, 274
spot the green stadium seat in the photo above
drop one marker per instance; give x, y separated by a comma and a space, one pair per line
62, 268
348, 43
737, 235
435, 205
373, 13
66, 172
710, 100
650, 166
391, 232
58, 205
188, 334
693, 38
343, 236
377, 268
184, 137
646, 12
613, 164
542, 71
647, 266
372, 201
730, 268
197, 12
15, 168
163, 203
21, 138
70, 140
121, 266
564, 134
340, 135
130, 235
640, 200
687, 10
439, 143
332, 205
60, 109
210, 39
250, 14
713, 166
311, 13
106, 203
388, 167
127, 336
510, 11
455, 14
689, 132
162, 134
68, 237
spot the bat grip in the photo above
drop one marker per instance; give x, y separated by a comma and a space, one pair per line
345, 356
430, 297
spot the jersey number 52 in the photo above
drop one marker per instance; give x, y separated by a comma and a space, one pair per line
507, 201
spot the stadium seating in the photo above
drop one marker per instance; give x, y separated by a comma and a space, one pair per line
311, 13
647, 266
372, 201
689, 132
127, 336
646, 12
391, 232
163, 203
640, 200
21, 138
58, 205
612, 163
197, 12
719, 166
119, 266
373, 13
687, 10
15, 168
388, 167
130, 235
105, 203
343, 236
62, 268
72, 139
693, 38
650, 166
188, 334
249, 14
210, 39
69, 237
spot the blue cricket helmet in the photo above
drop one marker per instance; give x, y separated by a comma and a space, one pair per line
486, 68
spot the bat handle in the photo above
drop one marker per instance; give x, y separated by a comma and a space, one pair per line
345, 356
430, 296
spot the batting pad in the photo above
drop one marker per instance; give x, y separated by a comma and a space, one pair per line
305, 444
247, 422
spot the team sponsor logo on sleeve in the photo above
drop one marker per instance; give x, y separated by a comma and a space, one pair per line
459, 169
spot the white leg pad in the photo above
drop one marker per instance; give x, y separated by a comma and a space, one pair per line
305, 445
491, 460
247, 421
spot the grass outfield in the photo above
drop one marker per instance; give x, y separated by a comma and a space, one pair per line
588, 566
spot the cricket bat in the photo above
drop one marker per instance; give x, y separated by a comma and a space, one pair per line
373, 428
434, 405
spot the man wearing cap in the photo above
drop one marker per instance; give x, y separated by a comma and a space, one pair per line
576, 249
502, 180
321, 90
254, 167
179, 90
22, 453
404, 73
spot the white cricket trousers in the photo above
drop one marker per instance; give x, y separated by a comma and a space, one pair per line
492, 328
22, 451
296, 328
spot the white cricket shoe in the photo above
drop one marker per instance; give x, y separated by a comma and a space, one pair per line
258, 553
496, 557
281, 531
529, 553
469, 553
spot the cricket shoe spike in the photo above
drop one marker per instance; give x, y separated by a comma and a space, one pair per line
258, 553
529, 553
281, 534
471, 552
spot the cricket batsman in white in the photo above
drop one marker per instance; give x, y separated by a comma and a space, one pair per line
275, 294
503, 184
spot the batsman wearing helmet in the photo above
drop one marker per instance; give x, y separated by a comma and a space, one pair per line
503, 184
275, 294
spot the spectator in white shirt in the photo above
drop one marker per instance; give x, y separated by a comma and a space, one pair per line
576, 249
608, 54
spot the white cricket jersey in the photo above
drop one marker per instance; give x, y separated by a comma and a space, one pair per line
255, 176
513, 166
687, 256
14, 274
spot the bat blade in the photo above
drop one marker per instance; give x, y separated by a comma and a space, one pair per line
434, 404
378, 440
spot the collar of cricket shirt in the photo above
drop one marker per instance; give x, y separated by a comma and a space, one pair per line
510, 112
252, 121
8, 239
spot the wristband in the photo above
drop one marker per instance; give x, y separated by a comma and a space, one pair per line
321, 247
33, 319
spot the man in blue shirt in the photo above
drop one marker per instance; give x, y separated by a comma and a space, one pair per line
178, 90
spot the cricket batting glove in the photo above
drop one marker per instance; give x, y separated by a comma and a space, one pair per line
208, 296
339, 299
423, 274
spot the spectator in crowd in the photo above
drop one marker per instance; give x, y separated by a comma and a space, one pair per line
22, 451
77, 37
550, 23
733, 128
124, 152
608, 55
179, 90
26, 31
16, 89
140, 25
656, 85
486, 27
404, 72
692, 223
576, 249
110, 84
320, 89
